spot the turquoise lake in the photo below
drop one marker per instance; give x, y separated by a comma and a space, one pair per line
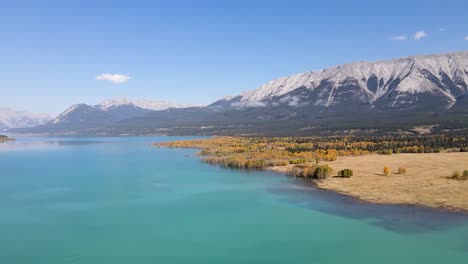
120, 200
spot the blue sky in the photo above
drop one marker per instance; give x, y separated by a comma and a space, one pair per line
198, 51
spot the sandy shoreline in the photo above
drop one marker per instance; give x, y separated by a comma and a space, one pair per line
424, 184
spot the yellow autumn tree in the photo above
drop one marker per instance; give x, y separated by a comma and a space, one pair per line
386, 171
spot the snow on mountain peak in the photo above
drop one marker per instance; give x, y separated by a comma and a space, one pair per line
156, 105
64, 114
10, 118
414, 74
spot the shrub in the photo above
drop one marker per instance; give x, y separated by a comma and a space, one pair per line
297, 161
237, 162
277, 163
255, 164
296, 171
401, 170
318, 172
322, 172
302, 171
386, 171
345, 173
386, 152
458, 176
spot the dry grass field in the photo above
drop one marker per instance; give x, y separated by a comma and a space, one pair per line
425, 183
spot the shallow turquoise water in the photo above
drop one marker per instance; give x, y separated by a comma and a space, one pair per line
119, 200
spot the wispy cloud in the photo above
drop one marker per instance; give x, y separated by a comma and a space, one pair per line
399, 38
420, 35
113, 77
466, 38
247, 104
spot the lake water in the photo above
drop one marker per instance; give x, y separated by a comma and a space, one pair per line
119, 200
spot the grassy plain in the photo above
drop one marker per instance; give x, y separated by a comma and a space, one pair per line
425, 183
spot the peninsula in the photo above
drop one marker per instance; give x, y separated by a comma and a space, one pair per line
4, 138
419, 170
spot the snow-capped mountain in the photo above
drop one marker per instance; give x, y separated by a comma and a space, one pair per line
83, 116
156, 105
403, 83
10, 118
393, 94
112, 110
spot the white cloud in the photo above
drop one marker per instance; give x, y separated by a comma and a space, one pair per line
291, 100
248, 104
114, 78
419, 35
466, 38
399, 37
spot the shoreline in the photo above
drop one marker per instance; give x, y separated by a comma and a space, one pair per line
378, 189
316, 184
4, 138
421, 179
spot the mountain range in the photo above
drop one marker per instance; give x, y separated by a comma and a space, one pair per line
365, 97
10, 118
399, 84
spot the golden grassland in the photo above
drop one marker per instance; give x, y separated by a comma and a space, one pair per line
427, 180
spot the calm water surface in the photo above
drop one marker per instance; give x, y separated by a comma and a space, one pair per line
119, 200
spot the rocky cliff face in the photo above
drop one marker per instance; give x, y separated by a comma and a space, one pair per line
432, 82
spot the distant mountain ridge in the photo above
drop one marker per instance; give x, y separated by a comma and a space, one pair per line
10, 118
404, 92
113, 109
83, 116
156, 105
